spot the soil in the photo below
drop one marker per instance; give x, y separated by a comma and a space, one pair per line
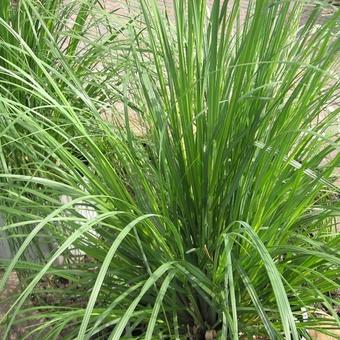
12, 287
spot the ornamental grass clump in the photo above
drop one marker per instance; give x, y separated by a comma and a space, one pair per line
219, 220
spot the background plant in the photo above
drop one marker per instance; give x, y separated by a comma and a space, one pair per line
220, 218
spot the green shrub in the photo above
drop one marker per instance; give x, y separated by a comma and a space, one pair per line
220, 218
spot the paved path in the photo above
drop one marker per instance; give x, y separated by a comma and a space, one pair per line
120, 5
134, 5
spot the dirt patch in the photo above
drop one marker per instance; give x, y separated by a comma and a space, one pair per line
12, 288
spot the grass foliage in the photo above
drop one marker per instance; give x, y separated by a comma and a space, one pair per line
219, 218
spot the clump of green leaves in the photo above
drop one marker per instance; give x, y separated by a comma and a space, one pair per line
220, 219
